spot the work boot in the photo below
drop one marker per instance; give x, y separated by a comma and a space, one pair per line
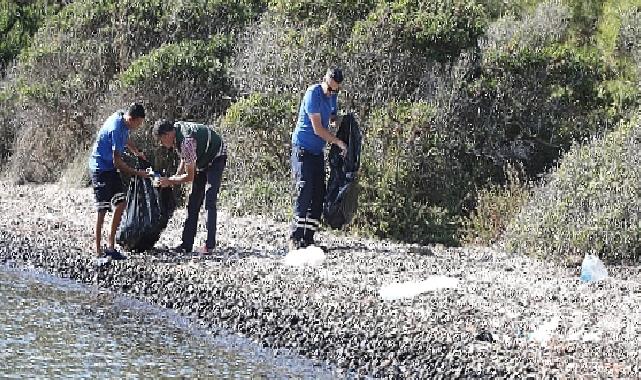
114, 254
181, 250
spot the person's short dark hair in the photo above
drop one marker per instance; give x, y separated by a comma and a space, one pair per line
136, 110
163, 126
335, 73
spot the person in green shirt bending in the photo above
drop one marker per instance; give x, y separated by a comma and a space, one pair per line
203, 157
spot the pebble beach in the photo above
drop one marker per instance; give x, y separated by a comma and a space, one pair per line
501, 315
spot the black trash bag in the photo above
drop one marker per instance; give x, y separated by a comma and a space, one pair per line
146, 215
341, 198
167, 207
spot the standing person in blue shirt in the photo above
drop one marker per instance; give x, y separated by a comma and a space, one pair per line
317, 109
105, 162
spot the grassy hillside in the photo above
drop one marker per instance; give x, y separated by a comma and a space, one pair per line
449, 92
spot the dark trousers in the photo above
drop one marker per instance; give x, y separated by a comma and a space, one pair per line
308, 173
212, 175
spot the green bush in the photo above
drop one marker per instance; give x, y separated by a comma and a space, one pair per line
187, 80
316, 12
585, 16
440, 29
19, 21
629, 38
7, 126
611, 22
187, 60
276, 57
76, 55
57, 87
414, 177
198, 19
540, 100
500, 8
535, 92
258, 130
391, 54
42, 154
589, 204
545, 24
496, 206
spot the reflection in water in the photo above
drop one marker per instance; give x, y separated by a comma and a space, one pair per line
56, 328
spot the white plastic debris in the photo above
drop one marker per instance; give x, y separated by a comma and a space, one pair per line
312, 256
413, 288
544, 332
593, 269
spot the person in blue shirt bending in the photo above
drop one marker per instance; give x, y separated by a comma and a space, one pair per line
105, 162
317, 109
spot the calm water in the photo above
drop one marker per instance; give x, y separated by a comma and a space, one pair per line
51, 328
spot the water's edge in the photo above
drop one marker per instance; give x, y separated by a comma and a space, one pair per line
239, 356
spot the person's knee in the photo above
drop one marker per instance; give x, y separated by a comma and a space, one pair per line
101, 214
211, 200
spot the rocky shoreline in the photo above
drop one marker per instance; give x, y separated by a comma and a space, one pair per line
509, 316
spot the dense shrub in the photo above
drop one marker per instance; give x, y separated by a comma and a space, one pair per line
415, 178
59, 84
585, 16
137, 26
19, 21
198, 19
258, 131
273, 56
496, 206
76, 55
629, 38
589, 204
535, 92
500, 8
546, 24
317, 12
390, 52
553, 93
528, 95
41, 154
187, 80
614, 16
7, 126
440, 29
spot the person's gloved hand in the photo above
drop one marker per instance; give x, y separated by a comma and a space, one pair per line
343, 147
143, 173
164, 182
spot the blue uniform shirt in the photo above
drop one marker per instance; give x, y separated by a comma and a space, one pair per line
314, 101
112, 137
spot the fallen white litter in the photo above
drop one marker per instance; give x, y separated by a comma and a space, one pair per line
544, 332
312, 256
411, 289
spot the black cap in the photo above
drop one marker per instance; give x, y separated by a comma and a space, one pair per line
162, 126
335, 73
136, 110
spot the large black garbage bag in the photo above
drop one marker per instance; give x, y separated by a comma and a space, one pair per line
341, 198
147, 213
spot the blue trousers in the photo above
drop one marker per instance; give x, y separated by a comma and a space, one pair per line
308, 174
212, 175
